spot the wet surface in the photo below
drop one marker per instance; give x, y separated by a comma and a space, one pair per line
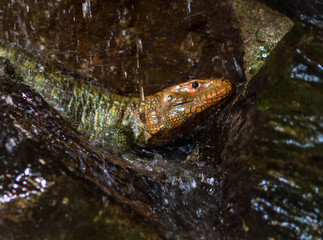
276, 133
148, 190
256, 172
122, 44
309, 12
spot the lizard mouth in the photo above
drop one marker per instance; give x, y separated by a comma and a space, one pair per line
217, 97
222, 92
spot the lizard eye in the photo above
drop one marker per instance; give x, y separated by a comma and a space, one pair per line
195, 85
169, 98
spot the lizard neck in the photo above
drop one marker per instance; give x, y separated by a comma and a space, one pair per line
152, 119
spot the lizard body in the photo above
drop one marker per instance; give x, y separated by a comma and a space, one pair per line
99, 114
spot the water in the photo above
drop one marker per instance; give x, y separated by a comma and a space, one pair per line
255, 173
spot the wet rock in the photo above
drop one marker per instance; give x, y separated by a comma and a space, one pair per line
308, 11
39, 189
273, 129
261, 28
136, 46
157, 198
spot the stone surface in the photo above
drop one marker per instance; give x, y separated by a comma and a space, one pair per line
261, 28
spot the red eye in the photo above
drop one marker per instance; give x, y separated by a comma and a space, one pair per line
195, 85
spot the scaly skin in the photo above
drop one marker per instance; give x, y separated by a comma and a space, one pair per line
102, 116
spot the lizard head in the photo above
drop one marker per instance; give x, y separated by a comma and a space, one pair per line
177, 109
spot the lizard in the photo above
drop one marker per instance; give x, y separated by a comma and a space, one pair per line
103, 116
